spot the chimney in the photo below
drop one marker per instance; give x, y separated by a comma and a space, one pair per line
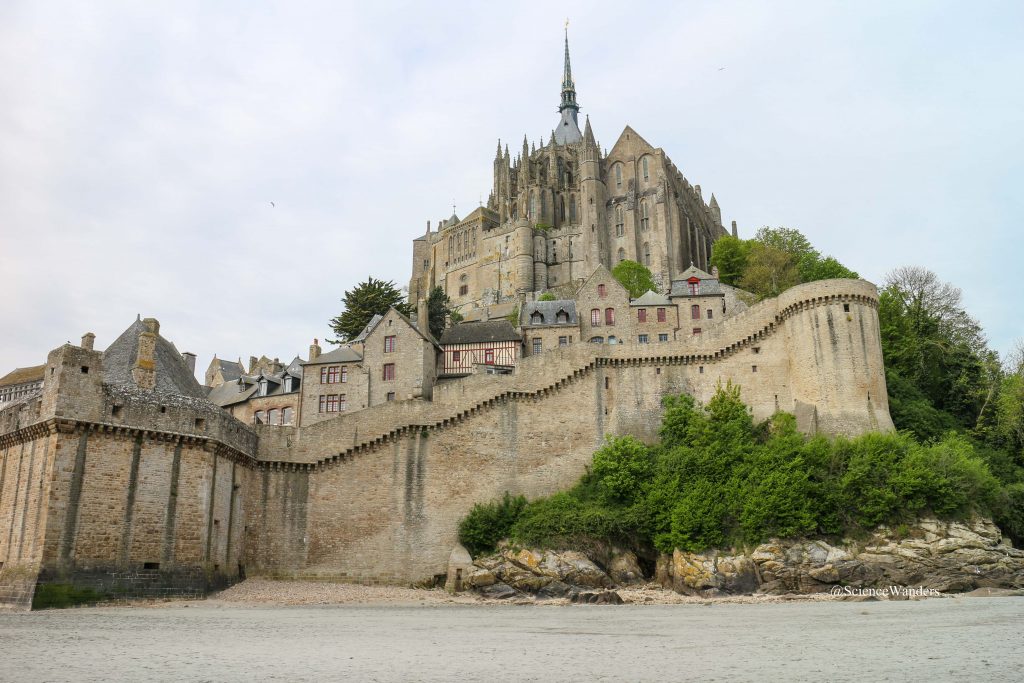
87, 341
714, 272
190, 361
422, 316
144, 370
252, 364
734, 229
314, 350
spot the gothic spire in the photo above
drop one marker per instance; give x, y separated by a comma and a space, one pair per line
568, 130
588, 134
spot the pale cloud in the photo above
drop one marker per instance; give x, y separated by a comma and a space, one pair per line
141, 145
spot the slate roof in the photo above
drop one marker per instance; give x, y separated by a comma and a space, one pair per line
651, 299
342, 354
369, 328
230, 370
32, 373
231, 393
550, 309
709, 287
173, 376
480, 333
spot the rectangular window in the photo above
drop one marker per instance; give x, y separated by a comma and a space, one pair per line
641, 315
661, 315
463, 290
710, 312
694, 288
538, 344
563, 341
288, 416
601, 291
595, 317
753, 368
389, 344
342, 402
609, 316
489, 356
332, 403
323, 403
643, 338
323, 375
389, 372
456, 356
663, 337
391, 396
273, 415
695, 312
344, 374
332, 374
696, 330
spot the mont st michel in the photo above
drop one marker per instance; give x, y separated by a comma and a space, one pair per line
566, 418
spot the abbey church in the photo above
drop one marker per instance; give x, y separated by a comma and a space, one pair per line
557, 212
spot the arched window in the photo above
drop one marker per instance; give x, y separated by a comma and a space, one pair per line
536, 318
515, 211
561, 207
273, 416
612, 339
597, 340
622, 254
533, 206
620, 222
645, 218
595, 316
572, 208
609, 316
618, 175
646, 172
543, 204
647, 254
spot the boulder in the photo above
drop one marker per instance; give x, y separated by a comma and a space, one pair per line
498, 591
555, 589
597, 598
624, 568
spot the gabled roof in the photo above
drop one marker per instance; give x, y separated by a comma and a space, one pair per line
630, 138
229, 369
694, 271
342, 354
650, 299
426, 335
173, 376
602, 273
549, 310
32, 373
369, 328
230, 393
480, 333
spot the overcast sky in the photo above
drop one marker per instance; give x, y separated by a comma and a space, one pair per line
141, 145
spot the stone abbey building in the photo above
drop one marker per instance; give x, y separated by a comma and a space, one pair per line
122, 475
557, 212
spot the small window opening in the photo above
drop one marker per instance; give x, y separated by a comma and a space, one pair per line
753, 368
116, 411
163, 409
216, 522
702, 369
200, 423
151, 565
657, 371
607, 382
756, 349
846, 308
85, 369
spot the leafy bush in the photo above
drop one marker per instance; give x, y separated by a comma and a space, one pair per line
488, 523
717, 479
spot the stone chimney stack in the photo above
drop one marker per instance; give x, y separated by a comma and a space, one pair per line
88, 339
144, 371
714, 272
314, 350
734, 234
190, 360
422, 316
252, 364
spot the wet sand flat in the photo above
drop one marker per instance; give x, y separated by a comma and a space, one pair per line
933, 640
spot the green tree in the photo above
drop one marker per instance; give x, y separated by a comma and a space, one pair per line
769, 271
546, 296
635, 277
729, 255
438, 310
362, 302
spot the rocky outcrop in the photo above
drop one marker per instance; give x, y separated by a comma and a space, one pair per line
939, 556
936, 556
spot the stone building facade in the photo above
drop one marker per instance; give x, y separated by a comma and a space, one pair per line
559, 210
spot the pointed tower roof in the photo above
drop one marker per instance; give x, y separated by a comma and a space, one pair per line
568, 130
588, 134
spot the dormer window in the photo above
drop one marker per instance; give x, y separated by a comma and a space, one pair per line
562, 316
288, 384
263, 387
536, 318
693, 285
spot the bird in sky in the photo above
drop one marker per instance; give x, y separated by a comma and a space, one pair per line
272, 204
721, 68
